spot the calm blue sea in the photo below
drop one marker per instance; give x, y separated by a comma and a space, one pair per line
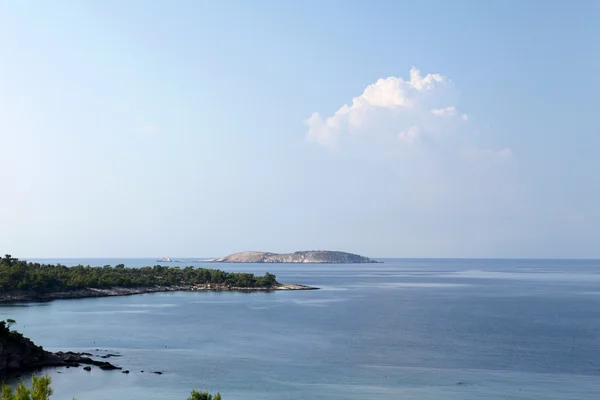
405, 329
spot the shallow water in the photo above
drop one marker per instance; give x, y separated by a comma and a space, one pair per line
406, 329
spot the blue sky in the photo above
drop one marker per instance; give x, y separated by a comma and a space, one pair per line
390, 129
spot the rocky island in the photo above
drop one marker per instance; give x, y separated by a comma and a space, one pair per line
313, 257
25, 281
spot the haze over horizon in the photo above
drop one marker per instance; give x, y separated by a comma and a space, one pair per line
405, 129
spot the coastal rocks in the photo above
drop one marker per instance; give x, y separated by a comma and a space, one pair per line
106, 366
87, 368
85, 293
290, 286
109, 355
75, 359
19, 354
120, 291
225, 287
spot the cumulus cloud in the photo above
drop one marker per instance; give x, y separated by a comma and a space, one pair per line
439, 166
420, 111
393, 96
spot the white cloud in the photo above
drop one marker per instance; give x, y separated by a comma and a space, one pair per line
393, 112
426, 83
409, 135
438, 166
391, 95
444, 112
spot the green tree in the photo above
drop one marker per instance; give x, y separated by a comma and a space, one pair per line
40, 390
10, 322
204, 396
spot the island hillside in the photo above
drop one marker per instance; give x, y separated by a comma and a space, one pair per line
26, 281
314, 256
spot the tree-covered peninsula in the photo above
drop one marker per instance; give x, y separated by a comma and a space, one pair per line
22, 280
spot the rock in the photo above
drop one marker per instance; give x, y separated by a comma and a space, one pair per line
87, 368
19, 354
125, 372
110, 355
107, 366
157, 373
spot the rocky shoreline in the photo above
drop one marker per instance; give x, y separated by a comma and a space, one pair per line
19, 354
29, 296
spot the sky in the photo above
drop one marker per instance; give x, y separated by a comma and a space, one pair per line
388, 129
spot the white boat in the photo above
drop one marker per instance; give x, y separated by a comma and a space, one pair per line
164, 259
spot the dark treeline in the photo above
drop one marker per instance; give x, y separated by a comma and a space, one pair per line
17, 274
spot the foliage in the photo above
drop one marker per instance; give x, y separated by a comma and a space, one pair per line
17, 275
40, 390
204, 396
8, 323
5, 329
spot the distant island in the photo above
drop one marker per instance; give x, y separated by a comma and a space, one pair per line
312, 257
24, 281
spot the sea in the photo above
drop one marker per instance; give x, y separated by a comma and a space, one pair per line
419, 329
